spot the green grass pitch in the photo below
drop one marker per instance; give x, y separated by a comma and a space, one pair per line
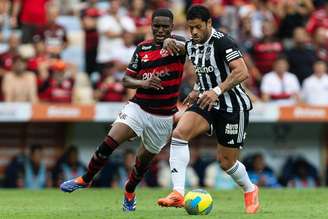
106, 203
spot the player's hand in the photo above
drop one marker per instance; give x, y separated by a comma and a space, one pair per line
172, 46
191, 98
153, 82
208, 99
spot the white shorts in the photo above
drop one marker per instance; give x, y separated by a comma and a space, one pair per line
155, 131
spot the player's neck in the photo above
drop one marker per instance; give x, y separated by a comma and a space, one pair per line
209, 35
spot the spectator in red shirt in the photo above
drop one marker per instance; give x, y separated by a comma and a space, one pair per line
318, 19
40, 55
110, 88
53, 34
266, 50
141, 18
31, 15
89, 16
6, 58
56, 83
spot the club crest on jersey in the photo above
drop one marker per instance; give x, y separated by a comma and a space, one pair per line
145, 58
164, 53
208, 53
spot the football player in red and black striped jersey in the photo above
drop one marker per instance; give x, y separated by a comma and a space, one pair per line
156, 75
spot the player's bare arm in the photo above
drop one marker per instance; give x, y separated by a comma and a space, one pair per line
193, 95
153, 82
174, 47
238, 74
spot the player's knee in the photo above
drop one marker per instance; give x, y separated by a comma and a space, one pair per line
181, 134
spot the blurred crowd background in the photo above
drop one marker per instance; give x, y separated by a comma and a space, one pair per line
71, 51
29, 170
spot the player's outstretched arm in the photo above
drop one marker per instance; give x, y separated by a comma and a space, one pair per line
153, 82
174, 46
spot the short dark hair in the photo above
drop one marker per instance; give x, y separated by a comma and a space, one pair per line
162, 12
281, 57
198, 11
71, 149
320, 61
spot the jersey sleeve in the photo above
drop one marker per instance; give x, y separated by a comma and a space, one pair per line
134, 65
228, 49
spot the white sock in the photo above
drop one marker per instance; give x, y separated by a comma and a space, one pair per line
179, 159
239, 175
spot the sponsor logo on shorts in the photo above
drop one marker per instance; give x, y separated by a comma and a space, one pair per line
231, 142
231, 129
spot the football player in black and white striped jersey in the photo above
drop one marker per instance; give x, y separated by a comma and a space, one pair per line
218, 103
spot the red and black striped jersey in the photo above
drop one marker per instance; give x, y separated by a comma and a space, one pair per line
150, 59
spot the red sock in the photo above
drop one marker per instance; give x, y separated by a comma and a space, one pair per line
136, 175
99, 158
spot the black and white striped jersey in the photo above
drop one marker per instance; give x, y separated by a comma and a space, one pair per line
211, 63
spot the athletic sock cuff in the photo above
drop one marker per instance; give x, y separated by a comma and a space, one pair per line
177, 141
110, 142
233, 169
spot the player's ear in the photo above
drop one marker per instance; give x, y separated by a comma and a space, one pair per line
209, 23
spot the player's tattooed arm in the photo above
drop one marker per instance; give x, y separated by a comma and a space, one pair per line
153, 82
239, 73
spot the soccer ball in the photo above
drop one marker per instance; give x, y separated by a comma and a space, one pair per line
198, 202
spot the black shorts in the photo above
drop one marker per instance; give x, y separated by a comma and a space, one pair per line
230, 128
